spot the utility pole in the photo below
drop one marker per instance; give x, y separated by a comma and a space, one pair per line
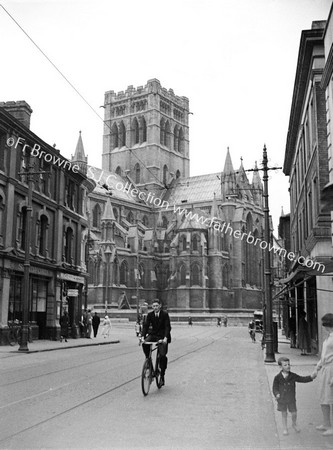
270, 355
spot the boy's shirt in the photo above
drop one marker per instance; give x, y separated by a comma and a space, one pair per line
286, 386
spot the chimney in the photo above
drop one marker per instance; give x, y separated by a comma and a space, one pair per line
20, 110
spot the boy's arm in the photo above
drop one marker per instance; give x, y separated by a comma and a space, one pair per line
307, 379
276, 391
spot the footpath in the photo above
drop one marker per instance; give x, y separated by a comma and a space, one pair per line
308, 407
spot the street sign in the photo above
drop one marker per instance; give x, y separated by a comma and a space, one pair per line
72, 292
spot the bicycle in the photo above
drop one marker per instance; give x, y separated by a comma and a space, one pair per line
14, 334
149, 372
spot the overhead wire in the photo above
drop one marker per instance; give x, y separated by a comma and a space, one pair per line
72, 85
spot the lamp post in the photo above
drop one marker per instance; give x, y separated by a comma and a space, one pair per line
270, 356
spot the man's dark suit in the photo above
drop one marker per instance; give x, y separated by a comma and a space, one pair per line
156, 328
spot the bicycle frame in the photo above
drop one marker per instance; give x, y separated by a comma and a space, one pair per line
149, 371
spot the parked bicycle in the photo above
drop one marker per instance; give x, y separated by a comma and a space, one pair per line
14, 334
149, 372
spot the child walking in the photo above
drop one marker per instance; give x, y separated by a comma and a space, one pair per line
284, 390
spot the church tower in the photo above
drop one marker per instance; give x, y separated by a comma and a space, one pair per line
146, 135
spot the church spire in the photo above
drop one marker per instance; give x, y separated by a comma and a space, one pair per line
228, 179
79, 157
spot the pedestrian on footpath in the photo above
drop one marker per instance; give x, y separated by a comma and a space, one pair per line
292, 330
284, 390
89, 324
64, 325
304, 341
190, 321
252, 330
324, 369
106, 326
95, 323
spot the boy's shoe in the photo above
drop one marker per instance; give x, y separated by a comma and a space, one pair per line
285, 432
295, 427
328, 432
321, 427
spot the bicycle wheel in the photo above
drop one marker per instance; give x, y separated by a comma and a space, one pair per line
158, 372
146, 376
11, 337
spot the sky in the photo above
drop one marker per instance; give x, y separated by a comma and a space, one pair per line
234, 59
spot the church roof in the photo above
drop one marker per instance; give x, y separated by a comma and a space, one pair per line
196, 189
111, 180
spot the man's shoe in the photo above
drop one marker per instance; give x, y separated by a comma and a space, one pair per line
285, 432
295, 427
321, 427
328, 432
162, 382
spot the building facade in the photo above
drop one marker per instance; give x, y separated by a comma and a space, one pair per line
58, 222
308, 286
157, 232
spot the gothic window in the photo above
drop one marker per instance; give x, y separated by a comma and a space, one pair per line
43, 225
137, 173
91, 272
183, 240
118, 170
114, 136
145, 221
195, 275
96, 216
143, 130
122, 134
115, 213
195, 243
142, 275
130, 217
69, 239
162, 132
181, 141
175, 138
165, 222
167, 134
136, 131
123, 273
177, 174
182, 275
165, 174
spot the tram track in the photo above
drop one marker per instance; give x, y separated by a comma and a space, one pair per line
199, 338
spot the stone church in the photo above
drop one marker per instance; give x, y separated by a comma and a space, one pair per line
155, 231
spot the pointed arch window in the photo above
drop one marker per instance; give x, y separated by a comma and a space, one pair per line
177, 174
181, 141
183, 240
176, 139
195, 243
165, 222
123, 273
122, 134
115, 213
162, 132
195, 275
43, 226
118, 170
143, 130
137, 173
136, 131
145, 221
69, 239
114, 136
96, 216
182, 275
130, 217
165, 174
167, 134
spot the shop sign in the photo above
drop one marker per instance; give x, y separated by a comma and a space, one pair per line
70, 277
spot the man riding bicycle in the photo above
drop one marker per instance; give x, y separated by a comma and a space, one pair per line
157, 328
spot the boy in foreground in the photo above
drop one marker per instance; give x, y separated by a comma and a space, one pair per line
284, 390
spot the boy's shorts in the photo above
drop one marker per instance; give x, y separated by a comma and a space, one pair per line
291, 407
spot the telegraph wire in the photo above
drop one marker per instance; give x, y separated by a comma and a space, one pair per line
71, 84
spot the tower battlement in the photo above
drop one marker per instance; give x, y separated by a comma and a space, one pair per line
153, 86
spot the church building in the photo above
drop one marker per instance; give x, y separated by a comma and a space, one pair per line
157, 232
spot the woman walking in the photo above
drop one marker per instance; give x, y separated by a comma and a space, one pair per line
324, 369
